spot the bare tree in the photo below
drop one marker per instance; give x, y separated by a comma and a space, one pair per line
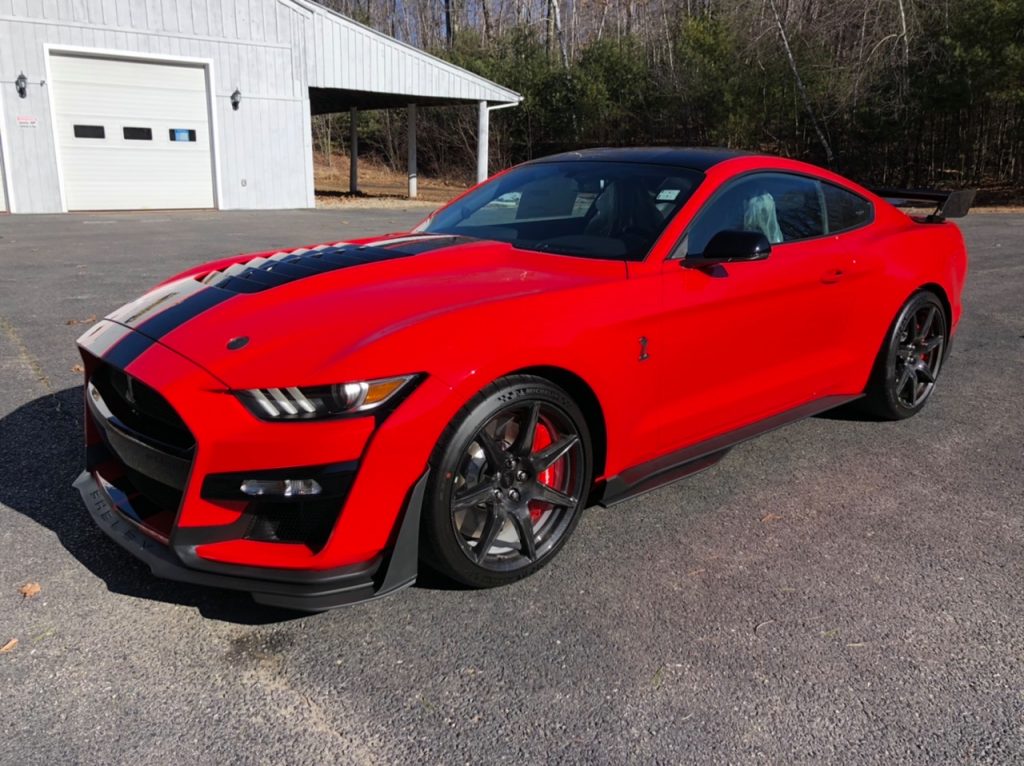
800, 85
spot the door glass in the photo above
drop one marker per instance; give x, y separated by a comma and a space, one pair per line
785, 208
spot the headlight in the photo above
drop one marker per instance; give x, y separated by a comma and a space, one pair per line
312, 402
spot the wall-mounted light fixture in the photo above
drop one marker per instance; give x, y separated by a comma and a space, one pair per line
21, 85
236, 99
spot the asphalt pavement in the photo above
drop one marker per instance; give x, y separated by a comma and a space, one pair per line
840, 591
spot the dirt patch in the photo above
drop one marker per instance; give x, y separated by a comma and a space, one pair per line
379, 185
998, 209
330, 200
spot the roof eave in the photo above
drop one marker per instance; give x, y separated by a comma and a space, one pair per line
501, 94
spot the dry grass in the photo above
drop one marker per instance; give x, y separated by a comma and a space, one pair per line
379, 186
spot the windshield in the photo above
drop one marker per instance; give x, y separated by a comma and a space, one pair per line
613, 210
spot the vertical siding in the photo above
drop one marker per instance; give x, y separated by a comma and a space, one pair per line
272, 50
258, 50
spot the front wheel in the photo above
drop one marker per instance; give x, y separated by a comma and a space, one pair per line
908, 364
509, 479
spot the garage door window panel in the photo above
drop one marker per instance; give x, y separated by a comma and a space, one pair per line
90, 131
137, 134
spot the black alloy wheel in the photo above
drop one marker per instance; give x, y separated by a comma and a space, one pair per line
510, 478
908, 366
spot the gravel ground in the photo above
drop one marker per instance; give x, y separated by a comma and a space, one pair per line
839, 591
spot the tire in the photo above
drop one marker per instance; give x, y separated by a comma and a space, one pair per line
909, 361
500, 505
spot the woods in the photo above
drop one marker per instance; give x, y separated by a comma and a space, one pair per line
895, 92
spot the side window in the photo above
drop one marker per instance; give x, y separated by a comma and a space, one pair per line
785, 208
799, 206
846, 210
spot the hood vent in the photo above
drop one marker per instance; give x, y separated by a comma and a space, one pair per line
260, 273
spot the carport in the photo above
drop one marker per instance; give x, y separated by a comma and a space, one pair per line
356, 68
334, 101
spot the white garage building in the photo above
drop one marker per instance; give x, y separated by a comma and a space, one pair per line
150, 104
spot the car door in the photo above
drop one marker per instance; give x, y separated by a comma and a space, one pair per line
747, 340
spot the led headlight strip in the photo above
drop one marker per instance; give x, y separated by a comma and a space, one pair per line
311, 402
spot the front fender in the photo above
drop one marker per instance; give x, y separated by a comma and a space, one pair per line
593, 334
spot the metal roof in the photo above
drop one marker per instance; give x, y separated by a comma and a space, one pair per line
695, 158
351, 65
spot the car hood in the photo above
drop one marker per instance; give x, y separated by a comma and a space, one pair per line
292, 317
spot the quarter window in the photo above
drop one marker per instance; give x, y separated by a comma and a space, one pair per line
785, 208
846, 210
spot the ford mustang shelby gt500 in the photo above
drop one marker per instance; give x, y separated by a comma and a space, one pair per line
311, 425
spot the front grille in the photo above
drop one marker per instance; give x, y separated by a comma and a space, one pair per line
151, 505
146, 449
141, 409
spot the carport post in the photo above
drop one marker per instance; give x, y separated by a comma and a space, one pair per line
482, 141
353, 151
411, 130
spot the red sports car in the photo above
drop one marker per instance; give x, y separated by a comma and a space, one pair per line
312, 425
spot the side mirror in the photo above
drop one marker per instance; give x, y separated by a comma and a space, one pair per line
731, 246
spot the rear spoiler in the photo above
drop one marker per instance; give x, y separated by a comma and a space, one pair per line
948, 204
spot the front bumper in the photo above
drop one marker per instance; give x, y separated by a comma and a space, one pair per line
310, 591
167, 448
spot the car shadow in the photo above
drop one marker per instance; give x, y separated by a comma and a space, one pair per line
851, 412
42, 455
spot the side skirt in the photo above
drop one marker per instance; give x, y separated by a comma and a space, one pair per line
697, 457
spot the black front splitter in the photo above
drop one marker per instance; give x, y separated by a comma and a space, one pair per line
308, 591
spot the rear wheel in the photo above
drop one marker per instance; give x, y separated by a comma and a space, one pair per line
509, 478
908, 365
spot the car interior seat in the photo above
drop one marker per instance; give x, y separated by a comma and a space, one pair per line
623, 208
759, 215
547, 198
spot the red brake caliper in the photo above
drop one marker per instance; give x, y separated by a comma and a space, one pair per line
551, 477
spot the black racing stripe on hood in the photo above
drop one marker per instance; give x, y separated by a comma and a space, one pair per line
127, 350
102, 337
265, 275
271, 272
175, 316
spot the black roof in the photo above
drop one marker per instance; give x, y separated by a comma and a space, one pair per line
695, 158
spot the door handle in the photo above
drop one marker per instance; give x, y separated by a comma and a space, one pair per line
832, 276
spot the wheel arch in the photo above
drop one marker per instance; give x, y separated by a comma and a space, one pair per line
586, 398
947, 308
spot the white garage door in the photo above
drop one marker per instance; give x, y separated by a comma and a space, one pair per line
3, 185
132, 135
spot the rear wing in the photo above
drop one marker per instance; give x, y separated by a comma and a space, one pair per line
948, 204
